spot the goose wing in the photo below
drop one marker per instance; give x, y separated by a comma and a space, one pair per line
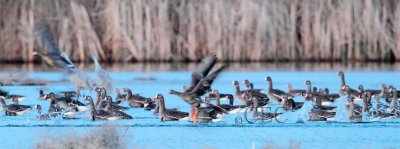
175, 114
201, 71
102, 78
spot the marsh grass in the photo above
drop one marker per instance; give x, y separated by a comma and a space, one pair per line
235, 30
104, 137
290, 145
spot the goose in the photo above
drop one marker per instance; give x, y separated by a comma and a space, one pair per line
99, 114
290, 105
101, 78
69, 94
343, 82
11, 97
115, 106
212, 96
262, 98
354, 111
232, 109
101, 101
200, 84
394, 108
240, 93
293, 92
352, 92
41, 116
116, 112
378, 113
320, 99
54, 57
119, 96
169, 114
137, 101
317, 114
250, 86
372, 92
3, 93
263, 115
14, 109
275, 94
67, 103
208, 114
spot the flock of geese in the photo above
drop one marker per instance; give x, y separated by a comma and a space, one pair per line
205, 103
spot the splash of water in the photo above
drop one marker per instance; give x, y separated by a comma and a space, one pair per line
341, 113
301, 115
365, 117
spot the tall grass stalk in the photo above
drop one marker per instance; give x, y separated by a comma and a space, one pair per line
179, 30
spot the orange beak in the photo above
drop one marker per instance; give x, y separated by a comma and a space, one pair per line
193, 115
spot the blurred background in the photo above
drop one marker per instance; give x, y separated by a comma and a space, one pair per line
182, 31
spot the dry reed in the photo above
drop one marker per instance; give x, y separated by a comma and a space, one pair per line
179, 30
105, 137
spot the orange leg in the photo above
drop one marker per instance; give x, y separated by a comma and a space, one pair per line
193, 115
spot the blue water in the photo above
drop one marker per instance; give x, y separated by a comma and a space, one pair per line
146, 131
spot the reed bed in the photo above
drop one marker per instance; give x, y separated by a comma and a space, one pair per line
179, 30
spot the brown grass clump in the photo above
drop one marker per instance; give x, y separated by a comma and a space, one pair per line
235, 30
105, 137
291, 145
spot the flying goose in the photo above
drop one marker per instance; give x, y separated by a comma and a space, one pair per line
200, 84
101, 78
54, 57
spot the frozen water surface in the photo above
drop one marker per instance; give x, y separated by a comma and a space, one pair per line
148, 132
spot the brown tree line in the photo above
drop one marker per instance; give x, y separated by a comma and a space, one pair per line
187, 30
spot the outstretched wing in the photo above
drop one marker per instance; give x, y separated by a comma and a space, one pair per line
52, 52
204, 85
201, 71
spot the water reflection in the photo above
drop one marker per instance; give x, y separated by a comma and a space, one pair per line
304, 66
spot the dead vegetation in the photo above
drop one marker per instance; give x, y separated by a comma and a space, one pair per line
236, 30
104, 137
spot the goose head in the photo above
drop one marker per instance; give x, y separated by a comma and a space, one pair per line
235, 83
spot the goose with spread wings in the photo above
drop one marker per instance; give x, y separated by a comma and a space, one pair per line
54, 57
200, 84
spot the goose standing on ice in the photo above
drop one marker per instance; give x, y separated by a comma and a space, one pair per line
275, 94
263, 115
169, 114
232, 109
137, 101
295, 92
116, 111
240, 94
14, 109
250, 86
99, 114
41, 116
